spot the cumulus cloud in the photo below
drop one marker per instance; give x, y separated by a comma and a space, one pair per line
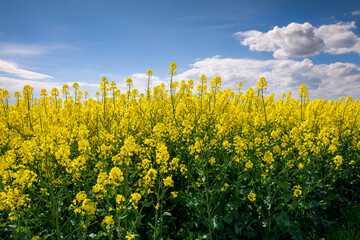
302, 40
13, 69
323, 80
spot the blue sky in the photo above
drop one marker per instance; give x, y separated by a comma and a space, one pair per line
49, 43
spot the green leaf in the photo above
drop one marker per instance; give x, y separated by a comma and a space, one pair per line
100, 234
282, 219
148, 204
228, 218
294, 204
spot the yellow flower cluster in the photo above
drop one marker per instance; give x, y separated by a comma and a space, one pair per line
297, 191
168, 182
109, 221
252, 197
124, 151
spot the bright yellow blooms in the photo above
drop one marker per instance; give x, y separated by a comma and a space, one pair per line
297, 191
252, 197
262, 84
248, 165
109, 221
168, 182
149, 73
113, 158
130, 236
172, 68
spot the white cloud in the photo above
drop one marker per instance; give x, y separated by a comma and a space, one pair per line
302, 40
354, 13
84, 85
14, 84
323, 80
13, 78
20, 49
339, 38
13, 69
140, 82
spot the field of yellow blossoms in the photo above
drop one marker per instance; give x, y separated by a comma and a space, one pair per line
191, 161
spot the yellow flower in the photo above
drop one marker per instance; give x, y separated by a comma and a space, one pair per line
300, 166
115, 176
216, 83
226, 144
81, 196
248, 165
268, 158
43, 93
174, 194
135, 197
202, 79
297, 191
252, 197
303, 92
168, 182
224, 187
130, 236
109, 221
276, 149
212, 160
120, 198
338, 160
262, 84
149, 73
76, 86
240, 85
172, 68
129, 82
88, 207
157, 206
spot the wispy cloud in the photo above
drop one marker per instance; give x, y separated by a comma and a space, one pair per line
20, 49
13, 69
193, 17
355, 13
9, 49
302, 40
206, 28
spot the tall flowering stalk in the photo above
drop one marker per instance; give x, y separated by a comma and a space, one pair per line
261, 85
303, 94
149, 73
